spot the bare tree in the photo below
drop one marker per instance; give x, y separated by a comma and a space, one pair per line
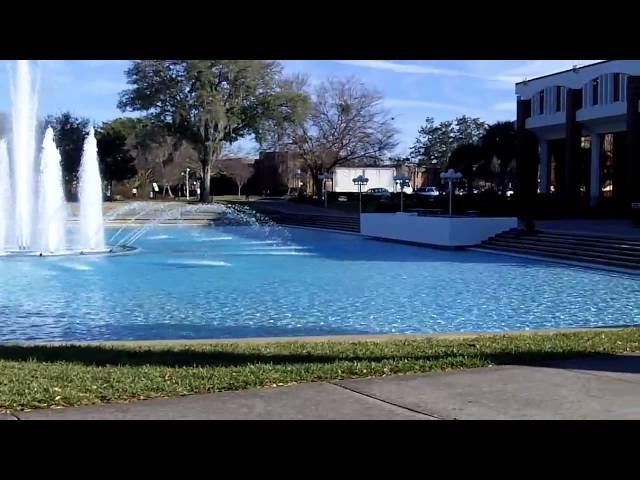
238, 169
347, 124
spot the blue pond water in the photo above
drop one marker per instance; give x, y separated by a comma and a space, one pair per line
221, 282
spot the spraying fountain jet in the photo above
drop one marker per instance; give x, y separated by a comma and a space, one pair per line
52, 211
90, 196
6, 203
24, 97
33, 210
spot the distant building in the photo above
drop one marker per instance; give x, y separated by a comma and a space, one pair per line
278, 173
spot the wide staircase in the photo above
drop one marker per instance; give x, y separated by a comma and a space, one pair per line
326, 222
576, 247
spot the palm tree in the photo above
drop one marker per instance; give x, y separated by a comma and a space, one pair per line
500, 143
466, 158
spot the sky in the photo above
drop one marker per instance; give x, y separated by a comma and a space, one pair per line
413, 90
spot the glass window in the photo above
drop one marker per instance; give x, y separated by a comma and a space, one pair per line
558, 99
616, 87
594, 91
541, 103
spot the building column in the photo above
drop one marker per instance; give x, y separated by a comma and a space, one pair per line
632, 157
573, 130
543, 182
594, 194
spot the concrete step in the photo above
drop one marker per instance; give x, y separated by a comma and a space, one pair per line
543, 249
571, 244
561, 256
582, 239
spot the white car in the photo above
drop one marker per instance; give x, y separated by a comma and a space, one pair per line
428, 191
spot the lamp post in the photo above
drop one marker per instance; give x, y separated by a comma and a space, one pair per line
451, 176
324, 177
360, 180
186, 175
403, 181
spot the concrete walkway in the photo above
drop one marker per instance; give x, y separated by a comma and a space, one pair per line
592, 388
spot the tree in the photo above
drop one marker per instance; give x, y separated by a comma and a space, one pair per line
346, 124
238, 169
466, 158
500, 144
69, 132
527, 162
5, 125
468, 130
435, 142
116, 160
206, 102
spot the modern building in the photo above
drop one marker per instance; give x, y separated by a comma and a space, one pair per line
587, 121
278, 173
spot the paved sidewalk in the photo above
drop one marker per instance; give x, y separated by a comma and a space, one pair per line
591, 388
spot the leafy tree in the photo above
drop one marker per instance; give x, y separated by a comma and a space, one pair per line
116, 160
435, 142
207, 102
468, 130
69, 132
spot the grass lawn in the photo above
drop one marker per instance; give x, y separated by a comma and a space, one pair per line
45, 376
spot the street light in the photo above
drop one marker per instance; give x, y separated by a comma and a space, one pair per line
403, 181
451, 176
360, 180
324, 177
187, 181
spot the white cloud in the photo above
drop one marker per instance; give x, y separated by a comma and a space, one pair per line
404, 67
539, 68
500, 78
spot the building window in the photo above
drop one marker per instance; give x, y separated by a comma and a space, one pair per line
594, 91
616, 87
558, 99
541, 103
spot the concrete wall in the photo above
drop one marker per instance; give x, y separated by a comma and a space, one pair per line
440, 231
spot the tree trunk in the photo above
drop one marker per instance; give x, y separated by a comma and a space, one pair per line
317, 184
205, 183
239, 189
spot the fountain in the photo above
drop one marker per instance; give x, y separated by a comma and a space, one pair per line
90, 196
52, 211
33, 211
5, 196
23, 152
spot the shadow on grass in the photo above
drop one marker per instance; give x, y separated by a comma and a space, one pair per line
109, 356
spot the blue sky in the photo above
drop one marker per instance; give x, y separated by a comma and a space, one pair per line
413, 90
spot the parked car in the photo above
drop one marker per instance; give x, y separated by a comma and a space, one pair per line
378, 192
427, 191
